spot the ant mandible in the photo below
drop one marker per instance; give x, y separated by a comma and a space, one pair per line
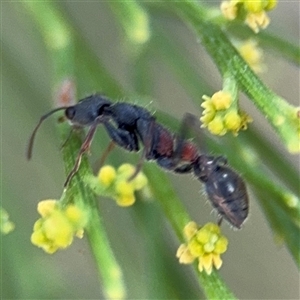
130, 125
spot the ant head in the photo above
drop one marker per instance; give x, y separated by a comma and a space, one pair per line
70, 112
85, 112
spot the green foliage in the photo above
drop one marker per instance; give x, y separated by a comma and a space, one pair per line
69, 53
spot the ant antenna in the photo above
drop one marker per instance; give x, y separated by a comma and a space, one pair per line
31, 140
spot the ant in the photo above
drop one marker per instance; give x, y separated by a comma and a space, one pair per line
130, 125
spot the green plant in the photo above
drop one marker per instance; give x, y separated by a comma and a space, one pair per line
71, 58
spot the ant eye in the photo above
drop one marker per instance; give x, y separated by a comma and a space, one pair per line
70, 112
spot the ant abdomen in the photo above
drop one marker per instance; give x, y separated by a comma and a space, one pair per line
227, 193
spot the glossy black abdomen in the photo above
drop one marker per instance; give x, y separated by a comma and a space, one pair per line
227, 192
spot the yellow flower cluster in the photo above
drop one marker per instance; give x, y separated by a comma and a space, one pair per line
5, 224
220, 116
57, 226
117, 184
252, 54
205, 244
253, 12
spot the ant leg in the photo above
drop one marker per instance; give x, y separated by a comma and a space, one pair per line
84, 147
122, 137
68, 137
139, 165
184, 169
191, 122
109, 148
188, 121
221, 160
73, 128
220, 219
146, 150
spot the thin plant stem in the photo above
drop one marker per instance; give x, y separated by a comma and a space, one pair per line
59, 40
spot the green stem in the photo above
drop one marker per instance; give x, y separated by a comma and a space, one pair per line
268, 155
213, 285
89, 66
134, 20
111, 274
176, 60
285, 49
168, 199
60, 43
282, 116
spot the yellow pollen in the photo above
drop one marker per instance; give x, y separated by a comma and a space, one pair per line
221, 100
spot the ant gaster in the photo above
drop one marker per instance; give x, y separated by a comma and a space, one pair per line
130, 125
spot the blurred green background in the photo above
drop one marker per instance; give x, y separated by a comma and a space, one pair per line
255, 267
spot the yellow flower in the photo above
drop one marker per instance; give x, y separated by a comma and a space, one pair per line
257, 20
125, 193
56, 228
116, 183
207, 262
216, 126
253, 55
205, 244
126, 169
140, 181
254, 6
221, 245
209, 110
271, 4
221, 100
259, 5
46, 207
75, 215
207, 104
6, 225
221, 115
184, 255
196, 248
229, 10
79, 233
207, 117
107, 175
190, 230
232, 120
125, 200
252, 11
124, 187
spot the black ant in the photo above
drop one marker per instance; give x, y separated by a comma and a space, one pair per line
129, 125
